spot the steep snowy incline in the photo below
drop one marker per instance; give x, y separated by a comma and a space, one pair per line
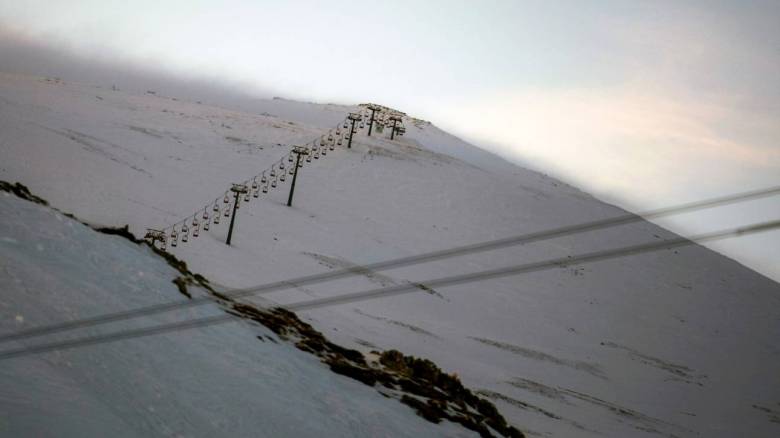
227, 380
672, 343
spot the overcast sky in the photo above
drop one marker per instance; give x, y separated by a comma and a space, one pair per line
644, 103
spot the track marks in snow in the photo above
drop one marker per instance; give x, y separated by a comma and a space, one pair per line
590, 368
160, 135
567, 396
373, 276
773, 414
407, 152
334, 262
517, 403
365, 343
680, 372
540, 389
247, 147
639, 420
497, 396
379, 151
407, 326
98, 146
148, 131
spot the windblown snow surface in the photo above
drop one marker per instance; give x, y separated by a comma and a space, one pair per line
675, 343
216, 381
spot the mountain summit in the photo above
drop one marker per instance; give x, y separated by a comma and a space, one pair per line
674, 342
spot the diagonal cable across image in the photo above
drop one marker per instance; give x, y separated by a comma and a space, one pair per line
393, 263
590, 257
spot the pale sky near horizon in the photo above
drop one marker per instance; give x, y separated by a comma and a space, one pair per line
643, 103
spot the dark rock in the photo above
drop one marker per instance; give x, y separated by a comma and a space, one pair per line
21, 191
118, 231
181, 284
364, 375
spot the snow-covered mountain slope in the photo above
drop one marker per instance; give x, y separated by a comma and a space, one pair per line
228, 380
672, 343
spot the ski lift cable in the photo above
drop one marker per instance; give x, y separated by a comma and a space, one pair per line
199, 210
590, 257
207, 205
187, 218
396, 263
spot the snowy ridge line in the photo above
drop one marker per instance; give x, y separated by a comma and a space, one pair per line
401, 289
394, 263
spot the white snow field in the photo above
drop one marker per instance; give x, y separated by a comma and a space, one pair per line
210, 381
674, 343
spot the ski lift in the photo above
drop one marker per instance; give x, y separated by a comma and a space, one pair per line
345, 125
281, 165
216, 208
195, 232
256, 193
184, 238
226, 200
173, 240
282, 176
362, 125
289, 158
324, 151
254, 184
338, 131
292, 171
265, 188
216, 219
263, 180
308, 158
246, 197
316, 155
273, 174
273, 184
322, 141
206, 226
163, 246
330, 137
205, 215
195, 221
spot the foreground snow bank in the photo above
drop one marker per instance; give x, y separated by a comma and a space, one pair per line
217, 381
